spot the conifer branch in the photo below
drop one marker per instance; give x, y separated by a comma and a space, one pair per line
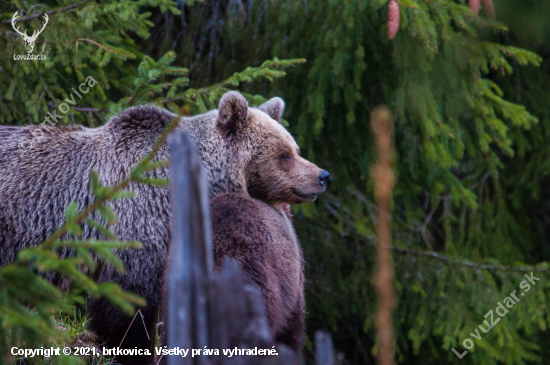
129, 55
474, 265
38, 15
196, 91
267, 69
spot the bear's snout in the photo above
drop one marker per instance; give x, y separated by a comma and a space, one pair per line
323, 177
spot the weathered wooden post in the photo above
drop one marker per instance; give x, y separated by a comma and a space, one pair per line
190, 253
324, 351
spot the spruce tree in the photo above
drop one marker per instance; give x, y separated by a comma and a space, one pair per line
471, 122
470, 98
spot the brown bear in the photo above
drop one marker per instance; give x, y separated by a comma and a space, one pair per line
42, 170
262, 240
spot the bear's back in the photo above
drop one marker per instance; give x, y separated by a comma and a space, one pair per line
44, 169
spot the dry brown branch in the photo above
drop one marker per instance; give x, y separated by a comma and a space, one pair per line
82, 109
100, 46
383, 178
38, 15
130, 325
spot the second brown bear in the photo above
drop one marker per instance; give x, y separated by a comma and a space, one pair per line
262, 240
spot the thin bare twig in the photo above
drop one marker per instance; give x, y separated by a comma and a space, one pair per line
123, 337
45, 87
82, 109
102, 46
425, 224
143, 320
475, 265
38, 15
133, 99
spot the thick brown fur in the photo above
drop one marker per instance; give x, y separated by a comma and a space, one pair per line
243, 150
37, 183
262, 240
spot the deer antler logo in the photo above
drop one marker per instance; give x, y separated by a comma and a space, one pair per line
29, 41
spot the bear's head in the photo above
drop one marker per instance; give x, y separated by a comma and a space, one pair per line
271, 167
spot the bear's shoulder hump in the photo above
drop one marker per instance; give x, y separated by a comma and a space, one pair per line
142, 117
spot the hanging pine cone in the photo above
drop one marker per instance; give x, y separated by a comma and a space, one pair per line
393, 19
474, 6
488, 8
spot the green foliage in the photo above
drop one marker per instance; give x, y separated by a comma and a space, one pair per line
28, 300
206, 98
76, 329
470, 98
148, 72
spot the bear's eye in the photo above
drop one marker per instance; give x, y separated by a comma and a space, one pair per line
285, 156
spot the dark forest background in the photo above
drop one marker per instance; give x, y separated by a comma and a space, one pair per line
470, 96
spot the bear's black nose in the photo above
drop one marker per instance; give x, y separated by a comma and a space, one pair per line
323, 176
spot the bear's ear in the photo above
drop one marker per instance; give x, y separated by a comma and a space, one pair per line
233, 112
274, 107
